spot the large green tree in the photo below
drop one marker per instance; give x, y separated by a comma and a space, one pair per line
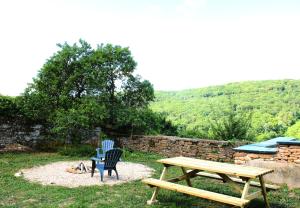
79, 88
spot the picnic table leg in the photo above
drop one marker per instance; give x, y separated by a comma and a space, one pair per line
188, 180
227, 179
264, 191
246, 189
93, 167
156, 189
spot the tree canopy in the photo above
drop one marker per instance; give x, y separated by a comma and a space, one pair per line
79, 88
294, 130
274, 106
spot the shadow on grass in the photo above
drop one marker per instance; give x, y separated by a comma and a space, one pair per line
260, 203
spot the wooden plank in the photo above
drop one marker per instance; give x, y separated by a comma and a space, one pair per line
196, 192
191, 174
253, 195
237, 180
246, 189
187, 177
153, 198
264, 191
216, 167
234, 185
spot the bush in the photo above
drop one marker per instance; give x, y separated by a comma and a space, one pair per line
8, 107
230, 122
49, 144
294, 131
79, 151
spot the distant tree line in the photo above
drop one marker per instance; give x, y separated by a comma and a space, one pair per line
266, 109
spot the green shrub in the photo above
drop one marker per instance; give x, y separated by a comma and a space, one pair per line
294, 130
230, 122
8, 107
49, 144
78, 150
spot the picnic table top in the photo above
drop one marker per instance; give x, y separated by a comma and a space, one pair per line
217, 167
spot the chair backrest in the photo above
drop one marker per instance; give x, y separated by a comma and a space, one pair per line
107, 145
112, 157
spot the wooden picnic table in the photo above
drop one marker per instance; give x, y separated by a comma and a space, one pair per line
229, 173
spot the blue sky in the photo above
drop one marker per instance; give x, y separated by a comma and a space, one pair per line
178, 44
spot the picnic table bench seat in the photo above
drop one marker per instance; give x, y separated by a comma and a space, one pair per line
196, 192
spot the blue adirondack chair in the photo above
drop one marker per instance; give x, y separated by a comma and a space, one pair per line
111, 159
106, 145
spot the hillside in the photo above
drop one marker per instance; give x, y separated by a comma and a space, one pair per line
275, 106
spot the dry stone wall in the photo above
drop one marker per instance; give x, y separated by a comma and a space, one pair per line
285, 163
242, 158
19, 133
16, 132
286, 154
174, 146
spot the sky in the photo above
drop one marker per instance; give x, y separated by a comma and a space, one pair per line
178, 44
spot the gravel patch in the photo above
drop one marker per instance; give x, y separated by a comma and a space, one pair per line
56, 174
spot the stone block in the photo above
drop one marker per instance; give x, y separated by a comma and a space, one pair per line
253, 156
294, 147
265, 156
239, 162
240, 154
240, 158
295, 151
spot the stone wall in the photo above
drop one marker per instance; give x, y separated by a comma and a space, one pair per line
20, 133
175, 146
16, 132
285, 163
286, 153
241, 158
31, 135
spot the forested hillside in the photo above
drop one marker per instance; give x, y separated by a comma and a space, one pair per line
274, 107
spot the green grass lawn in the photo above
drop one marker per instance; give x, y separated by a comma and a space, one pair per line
17, 192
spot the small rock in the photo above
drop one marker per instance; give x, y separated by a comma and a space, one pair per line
19, 174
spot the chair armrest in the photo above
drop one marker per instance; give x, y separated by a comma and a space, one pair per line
96, 159
98, 149
99, 152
